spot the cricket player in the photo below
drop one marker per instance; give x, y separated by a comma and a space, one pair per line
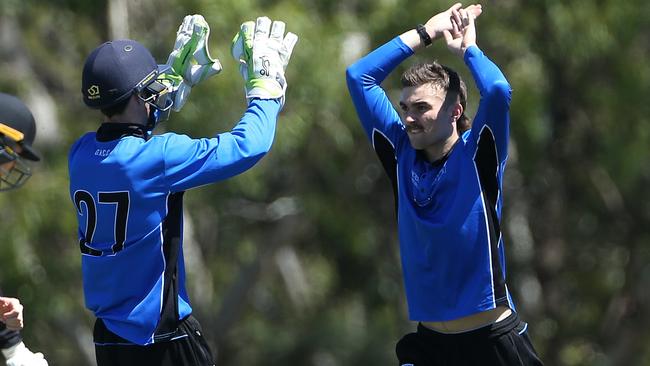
17, 133
127, 184
447, 177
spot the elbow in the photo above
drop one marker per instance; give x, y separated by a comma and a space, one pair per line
353, 74
500, 90
356, 80
261, 152
257, 151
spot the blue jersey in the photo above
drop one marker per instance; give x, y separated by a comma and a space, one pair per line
448, 213
127, 188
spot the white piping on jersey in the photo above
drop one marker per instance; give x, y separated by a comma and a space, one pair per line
386, 137
115, 344
487, 229
179, 337
487, 224
525, 328
162, 255
510, 304
396, 161
500, 170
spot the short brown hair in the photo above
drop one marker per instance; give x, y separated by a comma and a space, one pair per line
444, 78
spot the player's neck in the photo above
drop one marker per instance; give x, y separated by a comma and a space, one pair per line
128, 117
136, 112
122, 120
439, 151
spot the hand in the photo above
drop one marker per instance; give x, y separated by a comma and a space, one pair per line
463, 32
190, 57
263, 52
441, 22
11, 313
177, 87
20, 355
190, 62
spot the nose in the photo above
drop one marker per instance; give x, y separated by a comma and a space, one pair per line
408, 119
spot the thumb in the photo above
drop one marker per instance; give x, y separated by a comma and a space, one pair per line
455, 7
474, 10
469, 36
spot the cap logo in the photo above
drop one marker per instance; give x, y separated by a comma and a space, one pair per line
128, 48
93, 92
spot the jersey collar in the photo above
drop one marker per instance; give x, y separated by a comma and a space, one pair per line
110, 131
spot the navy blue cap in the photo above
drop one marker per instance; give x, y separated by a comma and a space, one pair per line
113, 70
15, 114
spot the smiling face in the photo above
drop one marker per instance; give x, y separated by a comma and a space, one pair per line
430, 121
432, 104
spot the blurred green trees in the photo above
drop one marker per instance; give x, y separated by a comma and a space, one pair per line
296, 261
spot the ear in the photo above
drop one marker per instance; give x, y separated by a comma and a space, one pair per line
456, 111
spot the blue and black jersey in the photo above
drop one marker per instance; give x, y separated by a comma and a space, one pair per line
448, 213
128, 189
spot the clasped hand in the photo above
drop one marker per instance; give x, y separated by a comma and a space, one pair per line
456, 25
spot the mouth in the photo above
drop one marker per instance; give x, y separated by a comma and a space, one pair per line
414, 129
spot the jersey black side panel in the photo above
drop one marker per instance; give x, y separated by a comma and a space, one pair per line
172, 232
386, 153
487, 166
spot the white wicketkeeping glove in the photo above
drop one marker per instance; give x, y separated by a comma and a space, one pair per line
177, 87
263, 52
191, 58
20, 355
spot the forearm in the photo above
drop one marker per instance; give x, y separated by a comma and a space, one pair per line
494, 107
372, 69
255, 131
249, 141
413, 40
194, 162
486, 73
364, 78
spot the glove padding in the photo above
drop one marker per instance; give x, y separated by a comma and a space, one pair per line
263, 52
190, 58
178, 88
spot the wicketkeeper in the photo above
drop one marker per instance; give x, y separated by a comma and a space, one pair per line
127, 184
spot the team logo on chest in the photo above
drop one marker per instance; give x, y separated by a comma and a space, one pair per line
424, 184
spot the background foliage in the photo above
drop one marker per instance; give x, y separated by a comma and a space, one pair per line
296, 261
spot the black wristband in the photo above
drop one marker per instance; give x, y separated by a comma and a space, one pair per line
424, 36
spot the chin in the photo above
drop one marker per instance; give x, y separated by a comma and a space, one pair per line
416, 143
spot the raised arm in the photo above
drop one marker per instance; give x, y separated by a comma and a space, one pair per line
263, 52
364, 78
494, 107
194, 162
